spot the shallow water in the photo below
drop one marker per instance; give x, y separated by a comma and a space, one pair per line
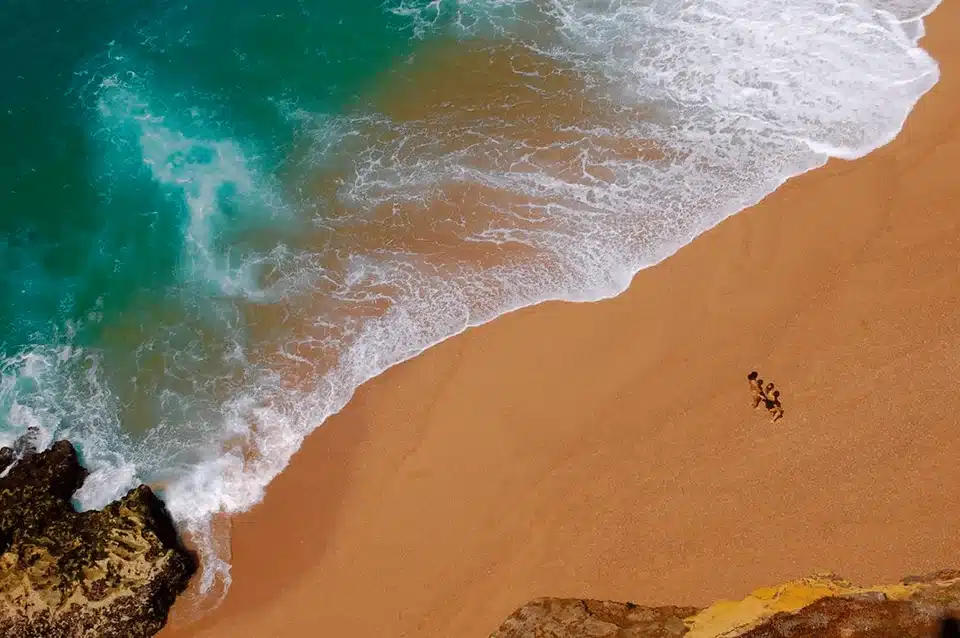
217, 220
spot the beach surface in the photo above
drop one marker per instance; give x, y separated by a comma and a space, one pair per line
608, 450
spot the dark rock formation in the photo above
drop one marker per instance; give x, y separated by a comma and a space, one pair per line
6, 458
569, 617
63, 573
852, 618
919, 607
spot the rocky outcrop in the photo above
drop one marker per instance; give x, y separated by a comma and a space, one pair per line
826, 607
104, 574
568, 617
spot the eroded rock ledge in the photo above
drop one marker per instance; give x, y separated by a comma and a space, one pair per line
825, 606
98, 574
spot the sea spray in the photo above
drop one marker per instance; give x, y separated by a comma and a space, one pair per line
293, 222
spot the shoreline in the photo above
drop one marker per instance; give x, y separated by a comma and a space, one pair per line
400, 462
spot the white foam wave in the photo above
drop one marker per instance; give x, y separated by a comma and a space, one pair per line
58, 392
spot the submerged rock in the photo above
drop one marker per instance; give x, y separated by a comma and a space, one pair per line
63, 573
917, 607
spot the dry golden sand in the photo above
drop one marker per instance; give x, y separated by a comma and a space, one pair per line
608, 450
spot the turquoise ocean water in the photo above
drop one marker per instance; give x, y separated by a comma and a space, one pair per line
218, 218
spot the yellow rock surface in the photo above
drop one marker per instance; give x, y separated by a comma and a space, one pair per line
726, 619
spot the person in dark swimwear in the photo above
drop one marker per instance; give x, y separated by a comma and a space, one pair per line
773, 405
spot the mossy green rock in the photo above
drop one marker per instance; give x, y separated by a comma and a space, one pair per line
63, 573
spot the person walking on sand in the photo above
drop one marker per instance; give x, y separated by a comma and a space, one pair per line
773, 405
756, 387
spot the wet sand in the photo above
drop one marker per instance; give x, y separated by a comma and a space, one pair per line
609, 450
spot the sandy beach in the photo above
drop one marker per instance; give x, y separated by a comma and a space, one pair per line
609, 450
